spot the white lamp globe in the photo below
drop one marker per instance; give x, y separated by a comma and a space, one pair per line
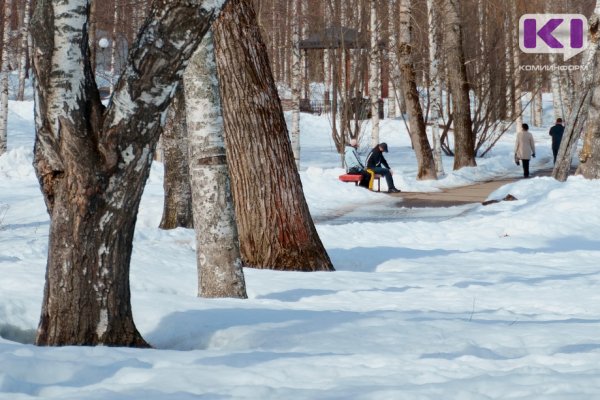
103, 42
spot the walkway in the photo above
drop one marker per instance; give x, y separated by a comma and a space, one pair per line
457, 196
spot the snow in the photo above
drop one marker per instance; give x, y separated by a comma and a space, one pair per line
470, 302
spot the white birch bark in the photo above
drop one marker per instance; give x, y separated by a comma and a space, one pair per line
517, 72
538, 107
374, 81
509, 69
23, 51
435, 113
296, 80
303, 56
585, 106
555, 86
393, 62
113, 49
4, 77
220, 271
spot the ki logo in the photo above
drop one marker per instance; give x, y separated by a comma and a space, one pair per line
553, 33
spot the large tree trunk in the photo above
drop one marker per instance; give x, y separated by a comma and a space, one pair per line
579, 113
4, 76
464, 139
177, 210
23, 50
418, 132
374, 72
275, 227
219, 261
435, 89
92, 163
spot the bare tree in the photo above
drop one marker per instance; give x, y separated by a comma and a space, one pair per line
581, 106
92, 163
177, 208
219, 261
4, 76
296, 80
464, 139
435, 89
23, 49
374, 70
275, 227
418, 134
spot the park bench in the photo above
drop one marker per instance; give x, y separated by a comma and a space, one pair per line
357, 177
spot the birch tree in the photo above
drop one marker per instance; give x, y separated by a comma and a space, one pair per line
23, 50
177, 208
518, 108
275, 227
577, 118
418, 134
435, 112
464, 139
374, 69
4, 76
219, 260
296, 80
92, 163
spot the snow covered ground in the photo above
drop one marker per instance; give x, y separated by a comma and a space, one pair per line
494, 302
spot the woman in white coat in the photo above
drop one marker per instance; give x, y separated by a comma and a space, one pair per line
524, 148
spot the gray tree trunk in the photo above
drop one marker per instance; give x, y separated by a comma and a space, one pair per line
219, 261
92, 163
177, 209
275, 227
23, 50
418, 132
4, 77
464, 138
577, 118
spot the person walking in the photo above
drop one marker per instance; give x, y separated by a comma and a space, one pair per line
353, 164
557, 133
378, 164
524, 148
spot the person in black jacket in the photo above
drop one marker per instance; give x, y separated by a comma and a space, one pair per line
557, 133
376, 162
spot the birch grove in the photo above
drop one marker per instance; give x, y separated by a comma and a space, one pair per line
4, 76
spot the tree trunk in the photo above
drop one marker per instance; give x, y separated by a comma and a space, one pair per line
92, 164
509, 68
92, 40
374, 70
114, 45
517, 72
435, 92
4, 77
589, 158
418, 132
274, 223
557, 103
579, 113
464, 139
219, 261
296, 80
392, 61
23, 51
177, 209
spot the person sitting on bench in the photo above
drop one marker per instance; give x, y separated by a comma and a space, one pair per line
375, 160
354, 166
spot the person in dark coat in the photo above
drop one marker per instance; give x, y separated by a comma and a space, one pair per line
557, 133
378, 164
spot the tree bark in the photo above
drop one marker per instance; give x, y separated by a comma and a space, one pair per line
177, 210
23, 50
517, 76
4, 77
579, 113
418, 132
219, 261
92, 163
464, 139
435, 92
296, 80
274, 223
374, 70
